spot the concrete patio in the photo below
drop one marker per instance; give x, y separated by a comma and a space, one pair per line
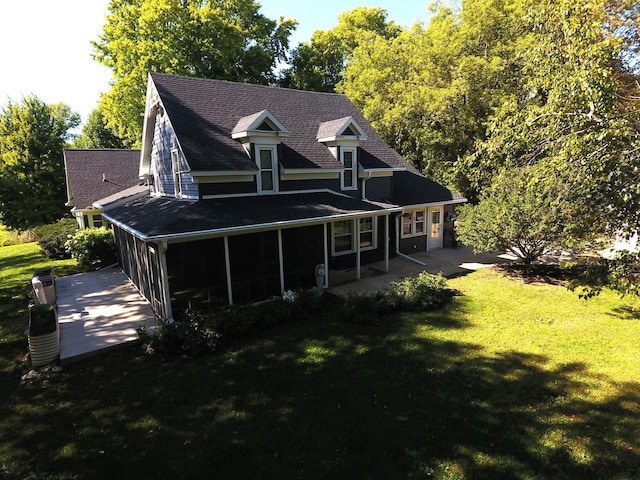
98, 311
450, 262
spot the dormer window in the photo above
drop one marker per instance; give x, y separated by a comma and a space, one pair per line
267, 161
260, 134
349, 176
342, 137
259, 124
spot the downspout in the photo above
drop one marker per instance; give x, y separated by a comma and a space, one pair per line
402, 255
364, 184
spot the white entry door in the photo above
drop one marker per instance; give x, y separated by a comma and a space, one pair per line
434, 239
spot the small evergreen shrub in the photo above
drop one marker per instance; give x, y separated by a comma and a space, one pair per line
94, 248
52, 238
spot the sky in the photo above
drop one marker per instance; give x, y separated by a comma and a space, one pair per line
45, 46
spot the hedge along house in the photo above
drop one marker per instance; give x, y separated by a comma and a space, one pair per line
98, 179
256, 190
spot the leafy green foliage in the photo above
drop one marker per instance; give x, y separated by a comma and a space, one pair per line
199, 332
95, 134
228, 40
42, 319
32, 181
52, 238
422, 293
526, 212
319, 64
430, 91
93, 248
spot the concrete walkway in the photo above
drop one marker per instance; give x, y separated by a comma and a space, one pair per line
450, 262
98, 311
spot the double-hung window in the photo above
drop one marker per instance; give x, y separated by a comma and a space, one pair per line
349, 176
344, 235
266, 159
413, 223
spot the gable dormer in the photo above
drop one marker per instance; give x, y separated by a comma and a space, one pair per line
261, 124
343, 136
340, 131
260, 134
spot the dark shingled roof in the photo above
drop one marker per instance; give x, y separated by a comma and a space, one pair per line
411, 189
87, 168
203, 113
162, 216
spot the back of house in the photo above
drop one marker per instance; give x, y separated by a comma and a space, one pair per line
256, 190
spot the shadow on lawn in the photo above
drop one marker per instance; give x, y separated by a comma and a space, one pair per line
331, 401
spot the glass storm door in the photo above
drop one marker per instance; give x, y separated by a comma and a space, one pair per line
435, 228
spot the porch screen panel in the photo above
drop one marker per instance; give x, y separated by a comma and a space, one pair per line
255, 272
302, 249
197, 277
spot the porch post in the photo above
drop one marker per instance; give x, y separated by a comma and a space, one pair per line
326, 256
386, 243
357, 249
164, 274
280, 260
227, 264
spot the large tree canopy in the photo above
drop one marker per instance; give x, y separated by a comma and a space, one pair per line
319, 64
32, 181
483, 94
96, 134
429, 91
228, 40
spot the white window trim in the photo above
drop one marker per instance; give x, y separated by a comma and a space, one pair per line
274, 167
354, 168
175, 170
154, 170
374, 224
413, 233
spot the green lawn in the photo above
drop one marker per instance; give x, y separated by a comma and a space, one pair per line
512, 380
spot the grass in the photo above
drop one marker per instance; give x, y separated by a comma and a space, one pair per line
512, 380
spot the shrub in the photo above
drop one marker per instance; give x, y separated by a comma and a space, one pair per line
53, 237
200, 332
361, 308
94, 248
424, 292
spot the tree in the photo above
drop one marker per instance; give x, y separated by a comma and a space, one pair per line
318, 65
227, 40
526, 211
95, 134
32, 181
578, 108
430, 91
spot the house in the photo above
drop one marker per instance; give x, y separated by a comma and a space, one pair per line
257, 190
98, 179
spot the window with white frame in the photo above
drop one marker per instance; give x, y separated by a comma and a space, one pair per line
175, 165
97, 220
344, 235
267, 161
413, 223
367, 233
349, 176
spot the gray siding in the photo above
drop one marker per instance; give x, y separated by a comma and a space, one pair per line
379, 188
164, 140
294, 185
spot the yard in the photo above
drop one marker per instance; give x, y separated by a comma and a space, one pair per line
512, 380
